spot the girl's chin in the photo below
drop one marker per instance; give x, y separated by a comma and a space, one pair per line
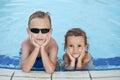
76, 56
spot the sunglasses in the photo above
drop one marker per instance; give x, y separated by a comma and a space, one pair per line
36, 30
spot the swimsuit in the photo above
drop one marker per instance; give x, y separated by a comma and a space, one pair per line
38, 65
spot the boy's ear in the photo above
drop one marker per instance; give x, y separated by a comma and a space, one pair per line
28, 31
51, 30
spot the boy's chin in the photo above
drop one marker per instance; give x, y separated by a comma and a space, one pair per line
40, 43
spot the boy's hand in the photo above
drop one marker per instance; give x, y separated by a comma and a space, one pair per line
42, 47
33, 41
46, 41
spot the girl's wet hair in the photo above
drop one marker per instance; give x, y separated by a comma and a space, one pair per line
39, 14
75, 32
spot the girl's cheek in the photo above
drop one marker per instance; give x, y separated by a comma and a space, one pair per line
71, 50
80, 49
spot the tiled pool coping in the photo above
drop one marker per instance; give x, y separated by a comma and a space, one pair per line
12, 74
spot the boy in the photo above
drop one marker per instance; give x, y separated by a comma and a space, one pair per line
39, 44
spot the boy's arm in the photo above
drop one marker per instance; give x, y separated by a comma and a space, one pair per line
28, 59
49, 61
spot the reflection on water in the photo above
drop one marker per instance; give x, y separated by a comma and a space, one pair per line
97, 64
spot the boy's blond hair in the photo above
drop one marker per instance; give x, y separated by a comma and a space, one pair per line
39, 14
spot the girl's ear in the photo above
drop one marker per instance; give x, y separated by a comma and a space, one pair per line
86, 48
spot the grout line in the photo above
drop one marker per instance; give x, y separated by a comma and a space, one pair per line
51, 77
12, 75
89, 75
107, 77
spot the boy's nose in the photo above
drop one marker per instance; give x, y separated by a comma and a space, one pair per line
40, 33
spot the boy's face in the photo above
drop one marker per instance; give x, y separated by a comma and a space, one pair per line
40, 29
75, 45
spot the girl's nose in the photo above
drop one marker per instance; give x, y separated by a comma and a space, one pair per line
75, 51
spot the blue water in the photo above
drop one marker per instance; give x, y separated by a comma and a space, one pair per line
100, 19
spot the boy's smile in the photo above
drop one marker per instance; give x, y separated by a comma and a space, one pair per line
39, 29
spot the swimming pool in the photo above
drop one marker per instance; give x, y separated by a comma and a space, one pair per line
99, 18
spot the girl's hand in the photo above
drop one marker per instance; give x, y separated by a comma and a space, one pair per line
72, 60
82, 54
70, 55
80, 59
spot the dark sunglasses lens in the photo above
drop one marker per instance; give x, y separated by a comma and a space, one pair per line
45, 30
35, 30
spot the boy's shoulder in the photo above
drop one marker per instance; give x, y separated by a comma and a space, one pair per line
52, 45
26, 42
53, 42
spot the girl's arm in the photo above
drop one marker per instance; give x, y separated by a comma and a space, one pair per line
83, 63
69, 64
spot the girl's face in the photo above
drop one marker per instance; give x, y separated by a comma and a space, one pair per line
39, 29
75, 45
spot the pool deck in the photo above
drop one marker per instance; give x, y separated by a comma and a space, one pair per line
11, 74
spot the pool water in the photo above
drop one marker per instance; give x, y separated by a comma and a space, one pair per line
100, 19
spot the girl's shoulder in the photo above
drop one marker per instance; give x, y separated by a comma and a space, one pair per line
65, 56
87, 58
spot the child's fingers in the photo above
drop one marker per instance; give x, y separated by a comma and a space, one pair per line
32, 40
69, 54
82, 54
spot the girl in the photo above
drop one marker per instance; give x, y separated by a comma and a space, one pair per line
76, 46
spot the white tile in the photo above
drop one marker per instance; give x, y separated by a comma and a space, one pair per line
32, 74
4, 78
70, 78
105, 73
71, 75
107, 78
6, 72
27, 78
